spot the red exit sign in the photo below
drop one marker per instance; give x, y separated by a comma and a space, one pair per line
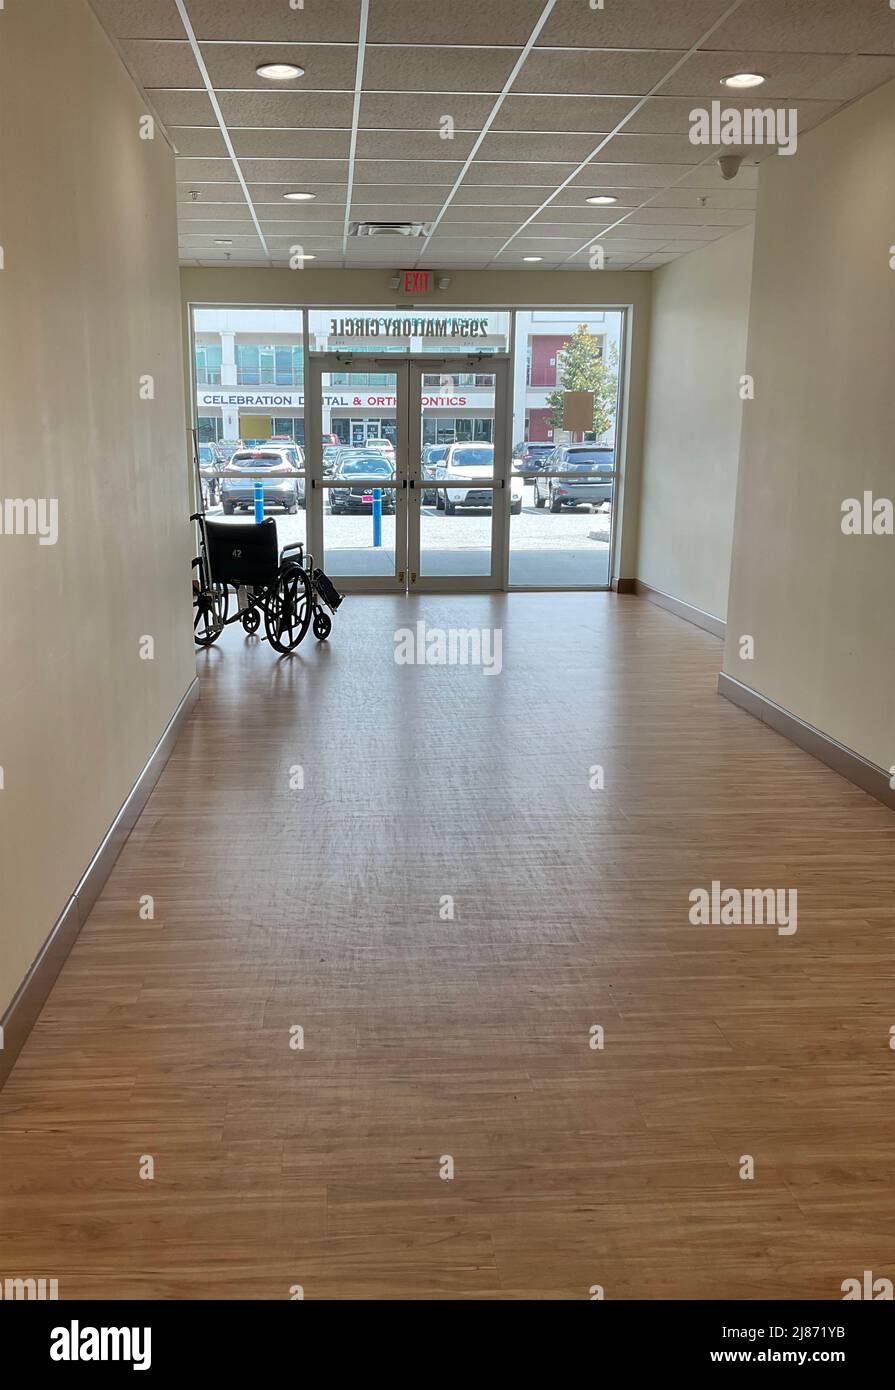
417, 281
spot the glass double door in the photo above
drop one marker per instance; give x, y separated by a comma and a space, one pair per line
417, 492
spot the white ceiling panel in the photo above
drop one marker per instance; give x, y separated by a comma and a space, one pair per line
527, 93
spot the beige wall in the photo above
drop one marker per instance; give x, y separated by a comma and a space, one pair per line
89, 303
820, 604
693, 416
468, 289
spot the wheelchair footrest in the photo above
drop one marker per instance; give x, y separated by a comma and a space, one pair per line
327, 590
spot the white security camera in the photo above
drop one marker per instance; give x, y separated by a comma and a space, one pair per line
729, 164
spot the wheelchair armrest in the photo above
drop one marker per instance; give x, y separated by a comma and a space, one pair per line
297, 545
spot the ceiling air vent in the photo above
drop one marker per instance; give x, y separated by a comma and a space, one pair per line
418, 229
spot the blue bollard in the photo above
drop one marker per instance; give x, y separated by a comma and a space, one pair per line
377, 517
259, 501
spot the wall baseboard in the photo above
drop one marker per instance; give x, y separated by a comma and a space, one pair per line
30, 997
623, 586
845, 761
707, 621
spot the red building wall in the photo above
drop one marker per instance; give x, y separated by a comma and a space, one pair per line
544, 351
540, 426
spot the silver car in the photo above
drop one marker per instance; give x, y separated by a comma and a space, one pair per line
590, 460
280, 463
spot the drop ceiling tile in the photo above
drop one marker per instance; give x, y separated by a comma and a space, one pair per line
291, 144
527, 148
400, 111
499, 196
691, 217
329, 67
204, 142
603, 174
416, 171
386, 193
577, 231
500, 219
183, 108
628, 249
140, 19
854, 77
437, 69
810, 26
669, 231
288, 110
731, 197
562, 113
162, 64
288, 216
269, 21
582, 217
633, 24
295, 172
596, 74
215, 226
477, 229
204, 170
653, 149
546, 176
789, 75
462, 21
412, 144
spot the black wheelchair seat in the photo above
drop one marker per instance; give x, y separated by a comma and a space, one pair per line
243, 554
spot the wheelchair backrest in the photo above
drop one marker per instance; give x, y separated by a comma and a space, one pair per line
243, 552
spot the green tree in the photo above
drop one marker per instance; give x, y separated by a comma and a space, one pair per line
584, 368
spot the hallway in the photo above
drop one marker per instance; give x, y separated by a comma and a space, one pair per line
322, 906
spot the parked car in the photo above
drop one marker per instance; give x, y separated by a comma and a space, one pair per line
282, 488
349, 496
331, 453
381, 446
529, 458
209, 469
432, 456
467, 463
588, 459
331, 439
226, 448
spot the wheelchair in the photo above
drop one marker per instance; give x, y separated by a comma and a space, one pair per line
270, 583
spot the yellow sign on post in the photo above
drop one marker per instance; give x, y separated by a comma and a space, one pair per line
577, 411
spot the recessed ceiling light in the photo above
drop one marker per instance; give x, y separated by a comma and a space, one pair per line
743, 79
532, 258
299, 197
601, 198
280, 72
222, 243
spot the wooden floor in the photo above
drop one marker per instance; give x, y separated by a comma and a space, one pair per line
423, 1037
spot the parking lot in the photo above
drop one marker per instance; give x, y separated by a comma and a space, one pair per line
568, 548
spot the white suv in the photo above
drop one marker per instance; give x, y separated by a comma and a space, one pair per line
468, 463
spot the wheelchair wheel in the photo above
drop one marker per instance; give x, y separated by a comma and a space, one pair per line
287, 616
211, 605
322, 626
251, 621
